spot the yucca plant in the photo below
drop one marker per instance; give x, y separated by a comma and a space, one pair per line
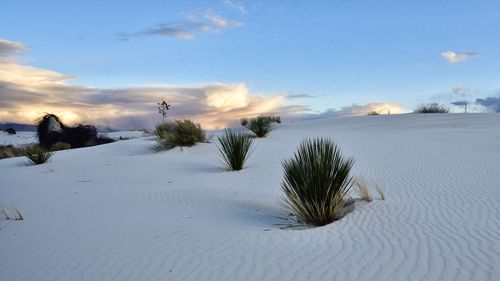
261, 125
316, 182
234, 148
37, 155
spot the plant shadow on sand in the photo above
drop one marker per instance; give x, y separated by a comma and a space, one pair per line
270, 217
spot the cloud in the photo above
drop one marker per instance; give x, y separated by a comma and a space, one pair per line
28, 92
460, 103
9, 49
453, 57
492, 103
185, 29
235, 5
355, 109
298, 96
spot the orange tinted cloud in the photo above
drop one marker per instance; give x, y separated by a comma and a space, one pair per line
28, 92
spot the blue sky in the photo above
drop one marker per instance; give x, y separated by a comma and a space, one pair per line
340, 52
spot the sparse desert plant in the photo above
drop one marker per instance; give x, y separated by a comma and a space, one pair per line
4, 213
316, 182
234, 148
373, 113
18, 216
380, 191
179, 133
431, 108
362, 190
60, 146
7, 151
103, 139
37, 155
261, 125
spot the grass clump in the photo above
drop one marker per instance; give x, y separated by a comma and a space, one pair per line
8, 151
316, 182
37, 155
431, 108
60, 146
362, 190
179, 133
261, 125
234, 148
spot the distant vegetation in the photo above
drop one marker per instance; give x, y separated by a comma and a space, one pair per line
316, 182
431, 108
234, 148
37, 155
8, 151
373, 113
179, 133
261, 125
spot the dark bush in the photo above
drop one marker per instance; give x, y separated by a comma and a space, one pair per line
51, 130
179, 133
316, 182
431, 108
234, 148
261, 125
103, 140
10, 131
373, 113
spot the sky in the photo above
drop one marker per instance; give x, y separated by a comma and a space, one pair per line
110, 62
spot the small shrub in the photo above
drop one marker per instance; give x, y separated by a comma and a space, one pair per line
431, 108
234, 148
60, 146
316, 182
37, 155
373, 113
10, 131
179, 133
261, 125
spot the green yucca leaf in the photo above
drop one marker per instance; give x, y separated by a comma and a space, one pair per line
234, 148
316, 181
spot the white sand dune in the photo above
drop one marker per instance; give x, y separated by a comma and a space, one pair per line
122, 212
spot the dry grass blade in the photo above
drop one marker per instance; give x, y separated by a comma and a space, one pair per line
4, 213
362, 190
380, 191
18, 216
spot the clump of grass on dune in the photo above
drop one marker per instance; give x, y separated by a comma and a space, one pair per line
362, 190
316, 182
60, 146
37, 155
234, 148
179, 133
